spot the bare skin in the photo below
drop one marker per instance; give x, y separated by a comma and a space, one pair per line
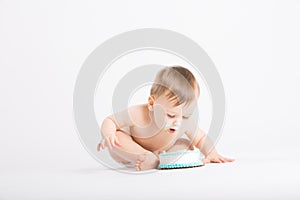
153, 129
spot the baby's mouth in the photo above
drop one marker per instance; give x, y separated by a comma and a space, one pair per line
173, 129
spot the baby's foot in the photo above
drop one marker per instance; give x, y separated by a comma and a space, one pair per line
146, 161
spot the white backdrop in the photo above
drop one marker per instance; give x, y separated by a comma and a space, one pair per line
254, 45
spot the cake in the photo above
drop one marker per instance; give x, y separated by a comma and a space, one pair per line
180, 159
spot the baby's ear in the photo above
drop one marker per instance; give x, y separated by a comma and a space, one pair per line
151, 100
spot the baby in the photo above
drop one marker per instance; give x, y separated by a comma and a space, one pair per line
159, 125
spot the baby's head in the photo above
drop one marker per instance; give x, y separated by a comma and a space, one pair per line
173, 95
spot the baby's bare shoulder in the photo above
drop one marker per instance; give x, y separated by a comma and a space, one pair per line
137, 109
138, 114
127, 117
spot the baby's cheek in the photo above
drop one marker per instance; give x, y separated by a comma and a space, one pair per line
167, 120
159, 116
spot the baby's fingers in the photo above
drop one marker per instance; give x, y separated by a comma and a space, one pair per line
99, 146
112, 142
108, 143
222, 160
229, 159
103, 144
215, 160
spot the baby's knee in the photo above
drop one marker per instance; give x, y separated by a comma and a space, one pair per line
123, 137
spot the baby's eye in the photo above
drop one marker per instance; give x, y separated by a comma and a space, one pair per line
184, 117
171, 116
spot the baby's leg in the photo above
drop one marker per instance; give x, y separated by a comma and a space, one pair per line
119, 159
181, 144
132, 152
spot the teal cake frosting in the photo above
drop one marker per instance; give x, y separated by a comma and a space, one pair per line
179, 165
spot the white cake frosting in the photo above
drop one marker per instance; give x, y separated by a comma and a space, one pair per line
179, 159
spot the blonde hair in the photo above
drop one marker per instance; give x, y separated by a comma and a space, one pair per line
177, 83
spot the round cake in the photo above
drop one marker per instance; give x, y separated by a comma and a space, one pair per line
180, 159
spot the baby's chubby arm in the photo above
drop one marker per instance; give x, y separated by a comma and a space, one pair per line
200, 140
113, 123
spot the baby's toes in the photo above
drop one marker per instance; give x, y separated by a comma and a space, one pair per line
138, 166
141, 158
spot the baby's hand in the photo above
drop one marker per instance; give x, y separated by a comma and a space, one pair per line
214, 157
109, 141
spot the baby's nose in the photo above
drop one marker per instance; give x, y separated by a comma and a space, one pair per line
177, 123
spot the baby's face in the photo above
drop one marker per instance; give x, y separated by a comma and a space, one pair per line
169, 116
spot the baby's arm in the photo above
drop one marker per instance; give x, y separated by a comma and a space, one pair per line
113, 123
200, 140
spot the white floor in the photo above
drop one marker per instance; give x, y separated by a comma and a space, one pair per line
247, 178
254, 44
